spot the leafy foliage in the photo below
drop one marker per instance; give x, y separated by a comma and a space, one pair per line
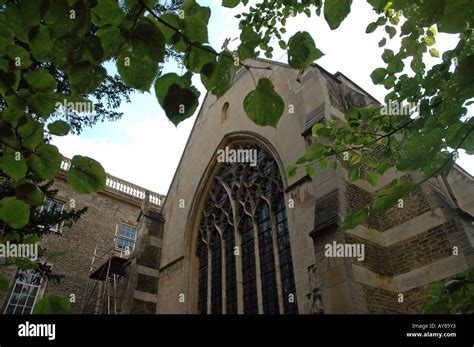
454, 296
52, 304
430, 125
53, 53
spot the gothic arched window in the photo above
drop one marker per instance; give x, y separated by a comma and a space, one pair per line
245, 263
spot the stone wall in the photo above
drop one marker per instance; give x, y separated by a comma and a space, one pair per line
97, 227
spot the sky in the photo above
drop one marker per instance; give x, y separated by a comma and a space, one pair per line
144, 147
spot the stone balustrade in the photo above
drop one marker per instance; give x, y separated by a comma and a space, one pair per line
119, 185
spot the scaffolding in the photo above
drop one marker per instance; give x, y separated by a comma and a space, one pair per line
102, 295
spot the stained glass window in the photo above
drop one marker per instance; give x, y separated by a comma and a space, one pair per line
245, 213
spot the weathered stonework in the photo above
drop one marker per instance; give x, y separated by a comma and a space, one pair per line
426, 241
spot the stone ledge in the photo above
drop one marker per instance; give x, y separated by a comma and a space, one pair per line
433, 272
148, 271
401, 232
143, 296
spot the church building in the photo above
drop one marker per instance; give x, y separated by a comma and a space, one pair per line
234, 235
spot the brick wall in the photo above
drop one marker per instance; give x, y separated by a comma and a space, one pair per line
96, 227
381, 301
413, 206
407, 255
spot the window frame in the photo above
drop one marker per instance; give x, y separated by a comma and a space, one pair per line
24, 284
57, 228
127, 239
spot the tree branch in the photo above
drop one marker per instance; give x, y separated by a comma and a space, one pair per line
193, 44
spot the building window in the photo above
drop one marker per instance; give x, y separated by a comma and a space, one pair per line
53, 207
127, 238
243, 241
225, 112
25, 292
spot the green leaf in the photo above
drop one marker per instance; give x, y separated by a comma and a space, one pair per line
46, 161
302, 51
434, 52
40, 43
315, 129
14, 212
25, 263
31, 132
20, 56
355, 218
378, 5
335, 11
356, 159
59, 128
68, 17
387, 55
32, 239
4, 284
230, 3
107, 12
389, 82
86, 77
371, 162
323, 164
66, 51
378, 75
391, 31
9, 80
137, 72
371, 28
172, 20
249, 41
14, 165
29, 193
197, 57
177, 97
192, 8
420, 150
315, 151
179, 103
353, 175
138, 66
195, 29
263, 105
429, 40
310, 170
43, 104
388, 198
111, 40
456, 16
372, 178
382, 42
6, 35
86, 175
217, 78
291, 171
41, 80
52, 304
